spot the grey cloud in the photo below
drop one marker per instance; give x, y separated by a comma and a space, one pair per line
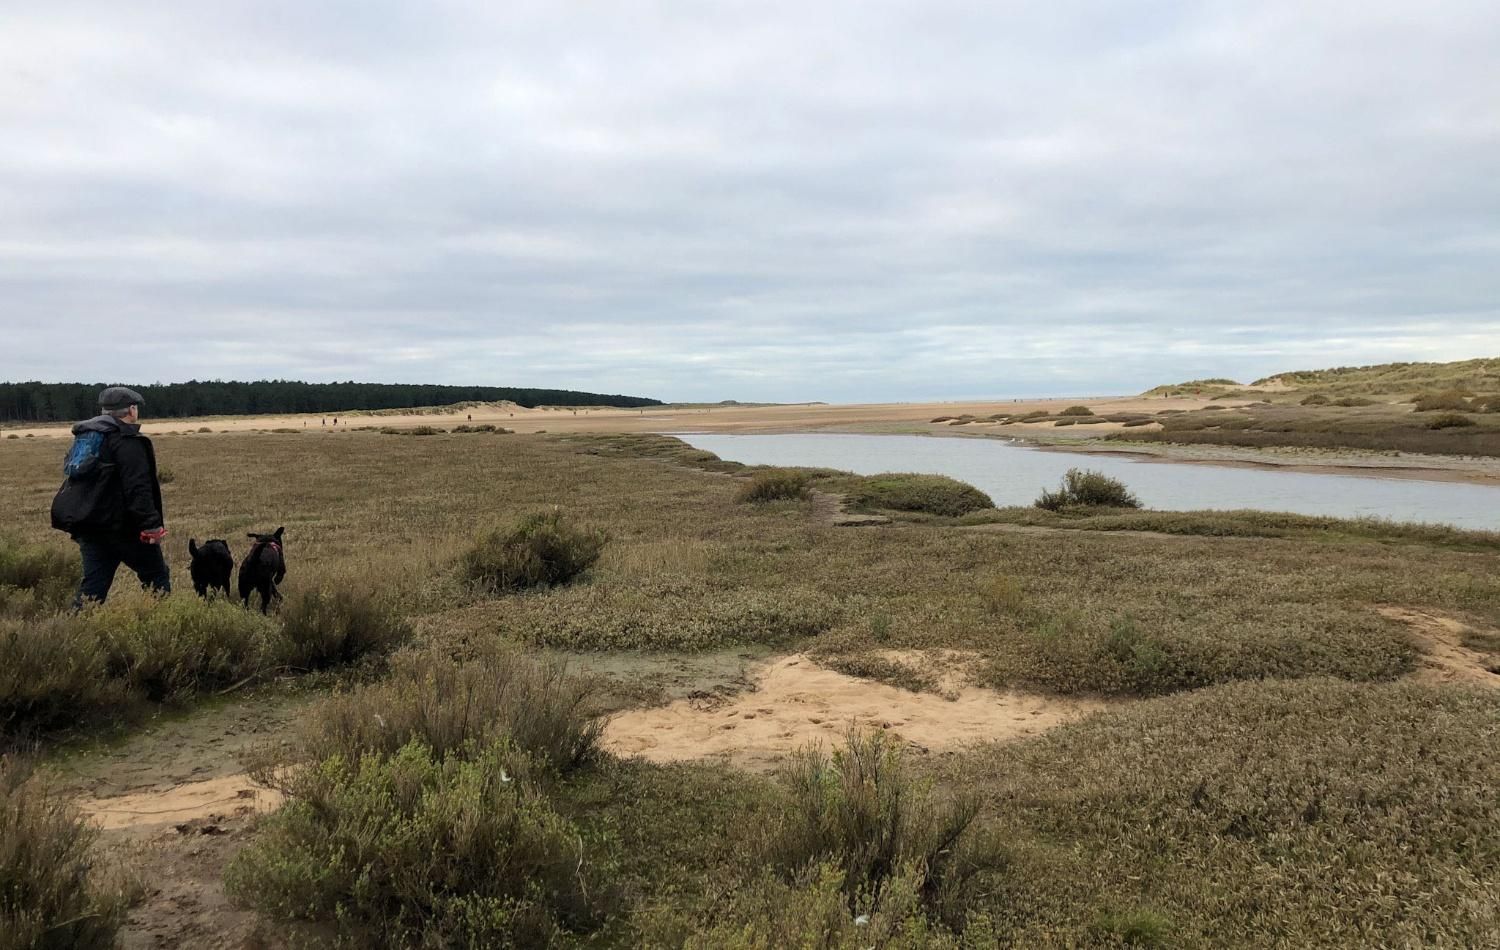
765, 201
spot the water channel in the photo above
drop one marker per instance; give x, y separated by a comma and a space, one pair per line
1014, 474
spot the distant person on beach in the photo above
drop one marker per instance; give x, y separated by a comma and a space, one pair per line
111, 501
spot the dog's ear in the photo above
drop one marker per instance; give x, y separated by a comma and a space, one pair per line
193, 547
278, 533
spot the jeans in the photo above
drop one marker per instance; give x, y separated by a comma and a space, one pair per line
103, 556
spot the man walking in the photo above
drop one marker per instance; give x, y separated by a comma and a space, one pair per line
111, 502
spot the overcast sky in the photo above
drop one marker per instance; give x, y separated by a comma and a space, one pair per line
846, 201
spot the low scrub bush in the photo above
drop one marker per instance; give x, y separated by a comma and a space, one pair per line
1077, 411
1450, 400
54, 675
35, 578
482, 427
1082, 488
863, 812
164, 648
450, 706
53, 894
1450, 420
1064, 422
420, 850
326, 627
776, 485
540, 550
930, 494
1132, 423
1352, 402
944, 419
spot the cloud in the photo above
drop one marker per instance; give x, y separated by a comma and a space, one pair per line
848, 201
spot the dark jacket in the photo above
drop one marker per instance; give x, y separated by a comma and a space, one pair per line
137, 503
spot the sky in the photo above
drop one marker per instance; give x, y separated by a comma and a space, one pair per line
841, 201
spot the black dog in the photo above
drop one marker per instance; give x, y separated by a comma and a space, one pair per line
211, 567
263, 568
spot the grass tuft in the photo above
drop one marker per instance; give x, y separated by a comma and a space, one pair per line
774, 485
333, 626
452, 706
1082, 488
864, 812
540, 550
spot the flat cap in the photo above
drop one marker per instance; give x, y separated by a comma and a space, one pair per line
118, 397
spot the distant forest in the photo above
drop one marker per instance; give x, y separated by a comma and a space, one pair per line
64, 402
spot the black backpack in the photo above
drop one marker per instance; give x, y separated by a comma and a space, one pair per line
89, 499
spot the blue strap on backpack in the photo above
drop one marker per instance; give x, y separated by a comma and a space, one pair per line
83, 457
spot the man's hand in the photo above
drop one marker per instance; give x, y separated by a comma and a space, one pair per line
153, 536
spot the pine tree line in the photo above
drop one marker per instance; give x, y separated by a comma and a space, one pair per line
63, 402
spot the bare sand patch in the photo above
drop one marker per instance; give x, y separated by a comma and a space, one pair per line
795, 702
1447, 660
227, 795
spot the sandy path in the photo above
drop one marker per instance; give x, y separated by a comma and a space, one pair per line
795, 702
1447, 660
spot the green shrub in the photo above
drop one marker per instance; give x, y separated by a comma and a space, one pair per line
205, 429
1449, 420
450, 706
932, 494
166, 647
325, 627
1064, 422
1084, 488
53, 894
419, 850
1350, 402
481, 427
1077, 411
865, 813
1132, 423
937, 420
540, 550
777, 485
1450, 400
